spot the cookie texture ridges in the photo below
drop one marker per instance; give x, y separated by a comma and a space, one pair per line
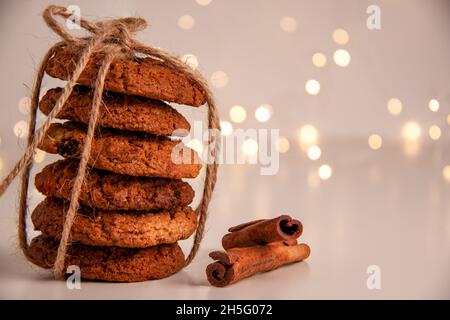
119, 111
123, 152
111, 263
131, 229
111, 191
145, 77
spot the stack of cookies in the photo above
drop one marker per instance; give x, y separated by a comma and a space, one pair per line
134, 205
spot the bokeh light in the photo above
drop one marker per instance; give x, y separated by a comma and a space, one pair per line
375, 141
411, 131
226, 128
314, 152
203, 2
191, 60
21, 129
434, 132
186, 22
394, 106
288, 24
219, 79
282, 145
250, 147
433, 105
308, 135
263, 112
340, 36
237, 114
341, 57
319, 59
312, 87
446, 172
325, 172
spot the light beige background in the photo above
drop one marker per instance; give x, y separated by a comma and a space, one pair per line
379, 207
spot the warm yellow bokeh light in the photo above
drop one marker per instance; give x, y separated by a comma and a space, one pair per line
250, 147
325, 172
1, 164
196, 144
219, 79
314, 152
186, 22
375, 141
282, 145
319, 59
433, 105
312, 87
411, 131
263, 112
448, 119
203, 2
21, 129
446, 172
394, 106
288, 24
237, 114
340, 36
39, 156
226, 128
191, 60
434, 132
341, 57
308, 134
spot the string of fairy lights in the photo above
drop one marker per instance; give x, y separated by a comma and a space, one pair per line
307, 135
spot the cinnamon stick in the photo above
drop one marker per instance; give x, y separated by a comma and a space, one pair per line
238, 263
260, 232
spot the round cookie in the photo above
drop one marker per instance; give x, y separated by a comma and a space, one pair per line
111, 191
111, 263
145, 77
131, 229
119, 111
135, 154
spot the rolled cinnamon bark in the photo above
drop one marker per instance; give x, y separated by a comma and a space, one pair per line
238, 263
261, 232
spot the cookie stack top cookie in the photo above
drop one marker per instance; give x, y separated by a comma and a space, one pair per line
134, 205
145, 77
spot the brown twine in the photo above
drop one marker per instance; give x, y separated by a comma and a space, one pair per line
114, 38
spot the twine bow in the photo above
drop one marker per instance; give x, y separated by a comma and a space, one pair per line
114, 38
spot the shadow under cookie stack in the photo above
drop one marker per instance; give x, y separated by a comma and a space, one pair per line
134, 205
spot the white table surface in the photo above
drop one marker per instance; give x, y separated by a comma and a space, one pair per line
379, 208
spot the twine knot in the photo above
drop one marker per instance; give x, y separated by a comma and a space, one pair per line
115, 32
